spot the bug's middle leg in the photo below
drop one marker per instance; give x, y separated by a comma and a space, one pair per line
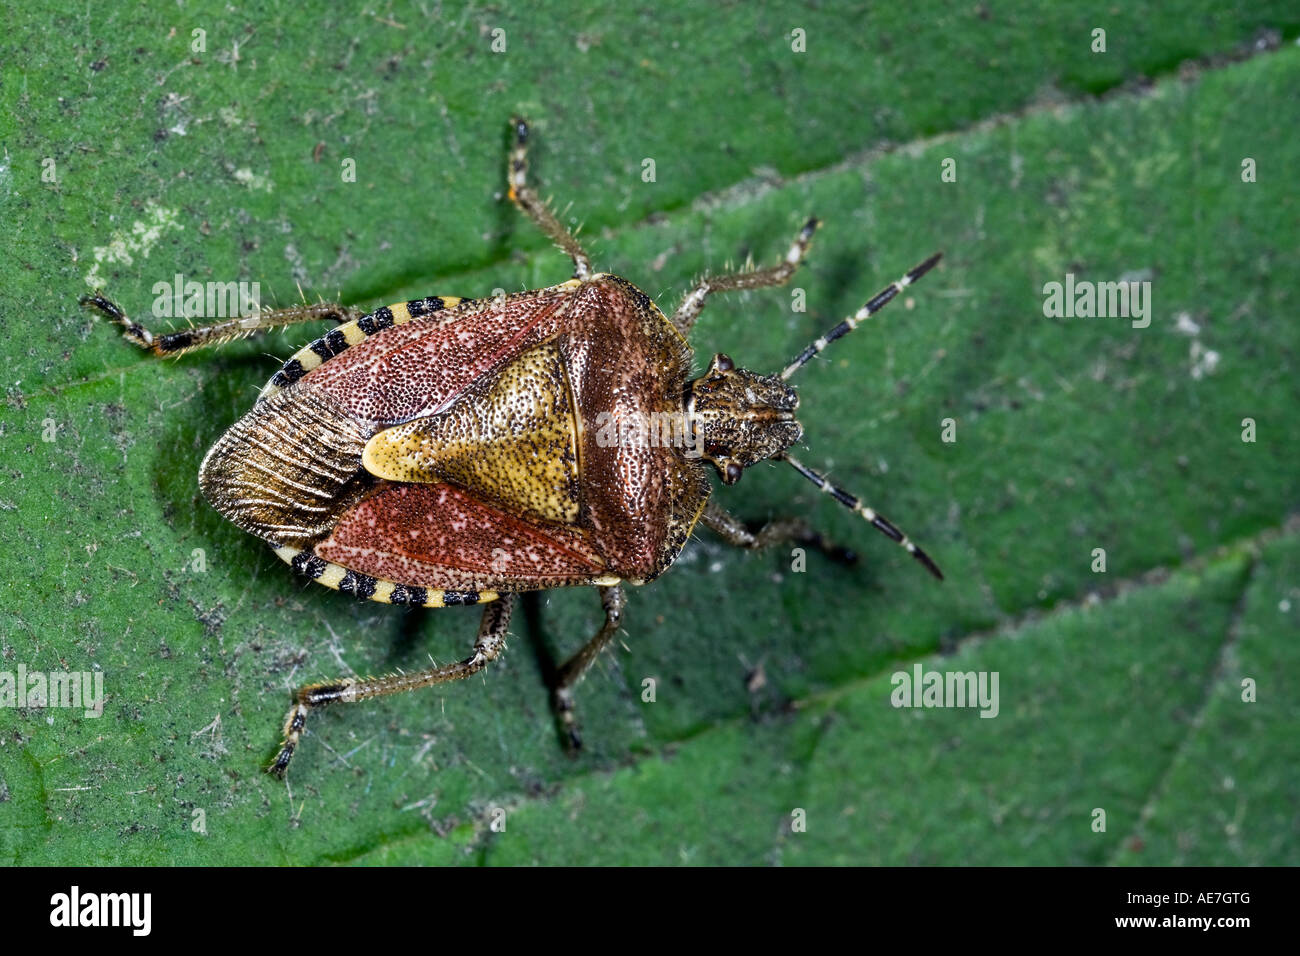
780, 531
490, 643
523, 196
215, 333
691, 307
575, 668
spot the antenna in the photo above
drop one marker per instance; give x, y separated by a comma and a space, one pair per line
876, 303
878, 521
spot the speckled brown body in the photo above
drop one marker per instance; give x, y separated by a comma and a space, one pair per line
461, 450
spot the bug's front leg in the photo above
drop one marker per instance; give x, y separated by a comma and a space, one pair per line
215, 333
487, 648
780, 531
684, 318
567, 677
526, 198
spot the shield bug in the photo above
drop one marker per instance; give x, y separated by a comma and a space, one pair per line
449, 451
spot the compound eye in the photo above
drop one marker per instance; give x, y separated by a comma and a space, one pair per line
733, 473
723, 363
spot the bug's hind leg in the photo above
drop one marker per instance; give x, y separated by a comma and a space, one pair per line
523, 196
490, 643
572, 671
215, 333
781, 531
684, 318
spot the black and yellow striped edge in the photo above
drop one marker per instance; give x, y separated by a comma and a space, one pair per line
358, 585
348, 334
351, 333
364, 586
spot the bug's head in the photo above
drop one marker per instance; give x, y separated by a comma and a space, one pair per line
741, 417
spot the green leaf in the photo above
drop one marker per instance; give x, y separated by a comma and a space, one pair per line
1120, 691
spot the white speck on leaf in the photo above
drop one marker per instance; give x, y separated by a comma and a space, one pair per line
250, 179
1186, 325
1204, 361
123, 246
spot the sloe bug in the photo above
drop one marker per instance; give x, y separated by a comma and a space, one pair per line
450, 451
